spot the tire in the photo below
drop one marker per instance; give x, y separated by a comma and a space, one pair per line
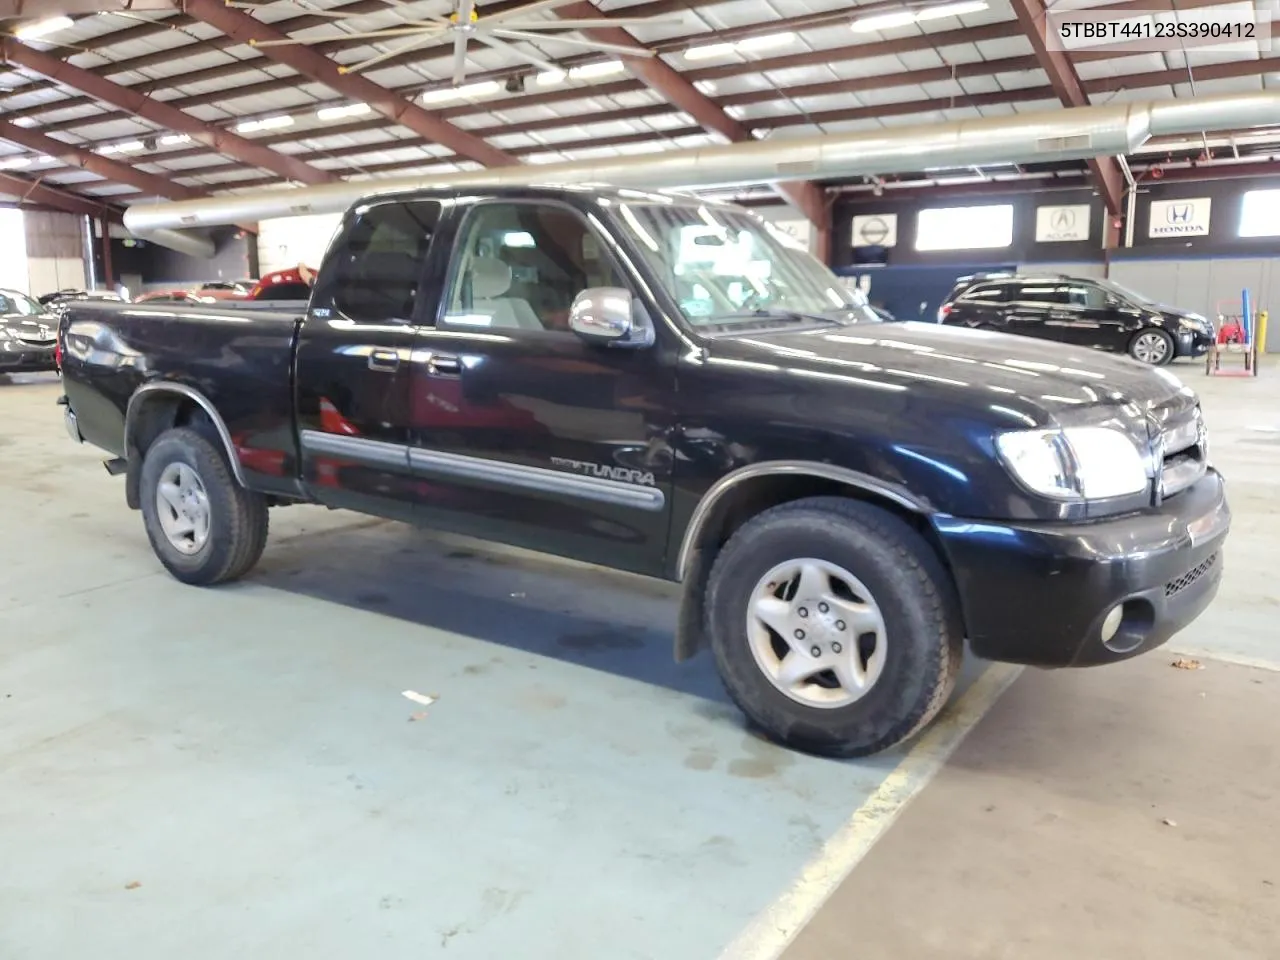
1152, 346
922, 632
236, 519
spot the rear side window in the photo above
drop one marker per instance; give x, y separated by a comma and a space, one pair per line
987, 292
1042, 291
372, 275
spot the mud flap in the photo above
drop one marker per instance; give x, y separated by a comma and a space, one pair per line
691, 622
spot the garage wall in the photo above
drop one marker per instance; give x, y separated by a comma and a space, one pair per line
1024, 248
288, 241
13, 243
143, 265
1074, 268
1209, 285
55, 251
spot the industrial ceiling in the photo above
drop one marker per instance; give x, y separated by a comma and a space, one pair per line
104, 103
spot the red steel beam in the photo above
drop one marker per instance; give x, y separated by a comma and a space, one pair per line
1066, 84
679, 91
217, 139
45, 195
904, 108
854, 51
97, 164
245, 29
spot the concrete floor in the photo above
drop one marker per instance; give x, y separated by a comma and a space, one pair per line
235, 771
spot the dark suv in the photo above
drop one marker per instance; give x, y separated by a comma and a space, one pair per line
1077, 310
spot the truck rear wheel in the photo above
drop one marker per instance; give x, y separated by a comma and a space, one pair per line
834, 626
203, 525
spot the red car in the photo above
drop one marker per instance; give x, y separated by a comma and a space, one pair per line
293, 284
172, 296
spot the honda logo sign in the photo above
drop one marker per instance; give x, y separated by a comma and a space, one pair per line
1179, 218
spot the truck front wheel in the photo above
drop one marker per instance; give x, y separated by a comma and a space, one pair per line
834, 626
203, 525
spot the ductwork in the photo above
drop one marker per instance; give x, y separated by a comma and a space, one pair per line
190, 242
1059, 134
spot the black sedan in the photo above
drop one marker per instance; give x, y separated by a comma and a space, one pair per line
28, 334
1083, 311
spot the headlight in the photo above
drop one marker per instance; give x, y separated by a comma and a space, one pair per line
1078, 463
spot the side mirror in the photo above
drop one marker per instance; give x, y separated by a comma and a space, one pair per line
605, 315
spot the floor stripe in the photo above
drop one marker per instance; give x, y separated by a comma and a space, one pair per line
774, 928
1222, 656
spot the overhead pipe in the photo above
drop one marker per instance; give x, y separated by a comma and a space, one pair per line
1053, 135
190, 242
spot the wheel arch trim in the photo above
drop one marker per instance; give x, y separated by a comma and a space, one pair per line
137, 400
706, 507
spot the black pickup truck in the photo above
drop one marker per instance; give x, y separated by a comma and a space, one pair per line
669, 387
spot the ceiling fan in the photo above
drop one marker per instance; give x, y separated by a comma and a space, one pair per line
501, 31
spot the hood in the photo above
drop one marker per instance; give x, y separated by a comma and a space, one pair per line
38, 329
1016, 381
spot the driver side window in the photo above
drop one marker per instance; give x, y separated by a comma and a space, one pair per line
519, 266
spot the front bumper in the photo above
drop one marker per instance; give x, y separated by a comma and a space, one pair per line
1193, 343
19, 356
1038, 593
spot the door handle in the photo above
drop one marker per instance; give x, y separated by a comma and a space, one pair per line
384, 361
444, 365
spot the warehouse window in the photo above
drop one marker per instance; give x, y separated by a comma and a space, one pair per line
965, 228
1260, 214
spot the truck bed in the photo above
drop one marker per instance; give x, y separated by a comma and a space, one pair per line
241, 360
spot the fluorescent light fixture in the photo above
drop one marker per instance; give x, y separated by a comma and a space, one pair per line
549, 78
709, 51
902, 18
883, 21
266, 123
770, 41
518, 238
338, 113
589, 71
42, 28
46, 159
15, 163
130, 147
25, 122
482, 89
173, 139
951, 10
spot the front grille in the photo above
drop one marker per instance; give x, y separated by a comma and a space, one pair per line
1174, 587
1184, 454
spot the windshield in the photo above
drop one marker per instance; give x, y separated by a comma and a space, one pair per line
19, 304
726, 266
1123, 291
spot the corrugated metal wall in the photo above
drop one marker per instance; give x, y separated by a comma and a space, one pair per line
55, 251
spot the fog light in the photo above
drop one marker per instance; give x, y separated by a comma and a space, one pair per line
1112, 623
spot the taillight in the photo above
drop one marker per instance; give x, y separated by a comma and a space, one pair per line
943, 311
57, 349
